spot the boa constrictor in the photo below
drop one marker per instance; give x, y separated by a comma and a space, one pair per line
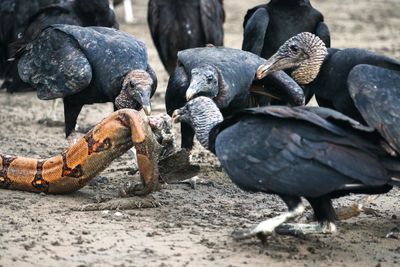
76, 166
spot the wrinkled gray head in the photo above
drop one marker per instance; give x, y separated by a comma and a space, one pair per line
136, 91
304, 53
202, 114
203, 82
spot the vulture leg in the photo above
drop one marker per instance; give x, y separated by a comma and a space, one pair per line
323, 213
267, 227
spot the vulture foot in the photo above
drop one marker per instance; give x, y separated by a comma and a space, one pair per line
268, 227
301, 229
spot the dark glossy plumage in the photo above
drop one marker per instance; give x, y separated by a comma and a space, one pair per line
331, 85
311, 152
27, 20
84, 65
324, 72
180, 24
268, 26
235, 71
304, 151
376, 94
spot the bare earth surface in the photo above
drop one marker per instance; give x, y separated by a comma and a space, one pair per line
190, 227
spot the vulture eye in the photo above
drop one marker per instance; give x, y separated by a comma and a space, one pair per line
132, 84
294, 48
209, 78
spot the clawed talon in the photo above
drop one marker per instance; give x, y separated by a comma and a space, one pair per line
194, 181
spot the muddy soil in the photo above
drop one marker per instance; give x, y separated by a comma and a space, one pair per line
179, 226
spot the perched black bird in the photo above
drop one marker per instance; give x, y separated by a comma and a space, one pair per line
268, 26
27, 20
226, 75
180, 24
86, 65
309, 152
324, 72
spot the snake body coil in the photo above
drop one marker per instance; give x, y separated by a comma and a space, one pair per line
75, 167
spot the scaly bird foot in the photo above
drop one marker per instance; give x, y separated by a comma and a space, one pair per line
267, 227
301, 229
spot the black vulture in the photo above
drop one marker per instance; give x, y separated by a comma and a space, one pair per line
311, 152
324, 72
180, 24
85, 65
225, 75
268, 26
27, 20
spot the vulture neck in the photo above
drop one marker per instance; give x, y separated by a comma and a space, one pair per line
308, 71
204, 124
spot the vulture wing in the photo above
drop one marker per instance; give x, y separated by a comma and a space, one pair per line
376, 94
285, 155
255, 27
55, 65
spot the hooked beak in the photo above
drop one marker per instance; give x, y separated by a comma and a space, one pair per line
176, 116
268, 67
190, 93
147, 110
144, 100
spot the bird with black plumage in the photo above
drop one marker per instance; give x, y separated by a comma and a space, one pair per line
302, 152
87, 65
176, 25
225, 75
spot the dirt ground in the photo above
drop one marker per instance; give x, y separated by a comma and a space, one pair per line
189, 227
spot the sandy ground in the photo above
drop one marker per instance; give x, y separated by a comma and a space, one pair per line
190, 227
